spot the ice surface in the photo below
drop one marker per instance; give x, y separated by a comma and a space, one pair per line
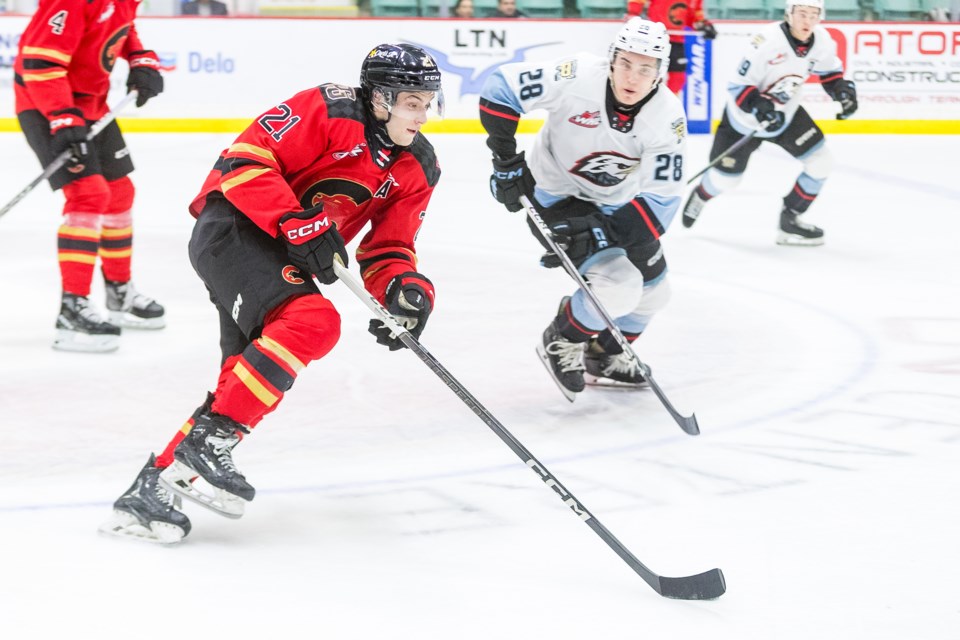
826, 381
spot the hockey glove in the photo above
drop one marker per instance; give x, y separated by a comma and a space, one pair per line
846, 95
765, 112
579, 238
313, 242
708, 30
69, 131
511, 179
409, 301
144, 76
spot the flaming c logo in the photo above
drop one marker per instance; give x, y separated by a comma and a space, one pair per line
291, 274
112, 47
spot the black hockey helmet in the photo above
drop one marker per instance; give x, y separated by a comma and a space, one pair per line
402, 67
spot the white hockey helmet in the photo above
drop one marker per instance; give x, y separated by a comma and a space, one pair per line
647, 38
816, 4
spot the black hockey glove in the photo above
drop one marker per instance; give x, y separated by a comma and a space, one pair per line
579, 238
69, 131
144, 76
511, 179
706, 27
313, 242
409, 302
765, 112
846, 95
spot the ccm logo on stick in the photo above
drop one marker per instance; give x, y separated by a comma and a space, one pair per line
553, 484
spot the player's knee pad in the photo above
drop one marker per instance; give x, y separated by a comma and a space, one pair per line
615, 280
86, 195
716, 182
121, 195
819, 163
307, 327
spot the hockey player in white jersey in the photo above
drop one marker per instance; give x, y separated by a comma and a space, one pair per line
764, 99
606, 173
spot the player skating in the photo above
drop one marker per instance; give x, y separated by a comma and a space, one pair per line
606, 172
764, 101
61, 80
279, 205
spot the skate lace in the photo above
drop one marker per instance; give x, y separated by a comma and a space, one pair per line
164, 496
85, 311
129, 298
569, 354
622, 363
222, 445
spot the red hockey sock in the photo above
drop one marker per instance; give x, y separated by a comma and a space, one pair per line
252, 384
77, 252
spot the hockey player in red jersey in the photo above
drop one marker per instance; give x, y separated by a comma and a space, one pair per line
279, 205
675, 15
61, 80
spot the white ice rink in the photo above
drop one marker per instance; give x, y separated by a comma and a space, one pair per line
826, 382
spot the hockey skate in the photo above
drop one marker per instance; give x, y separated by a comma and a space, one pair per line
796, 232
693, 208
612, 369
146, 511
207, 451
79, 328
130, 308
563, 360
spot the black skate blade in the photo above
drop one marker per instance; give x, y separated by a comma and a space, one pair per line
704, 586
569, 395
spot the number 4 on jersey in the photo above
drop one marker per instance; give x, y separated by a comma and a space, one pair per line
58, 22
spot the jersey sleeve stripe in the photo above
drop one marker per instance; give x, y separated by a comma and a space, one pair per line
641, 208
43, 77
246, 176
250, 149
745, 94
499, 114
52, 54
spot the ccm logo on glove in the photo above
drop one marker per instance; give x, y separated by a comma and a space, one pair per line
310, 228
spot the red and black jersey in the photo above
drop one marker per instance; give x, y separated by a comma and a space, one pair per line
67, 52
675, 14
321, 146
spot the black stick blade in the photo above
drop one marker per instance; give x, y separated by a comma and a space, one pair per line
704, 586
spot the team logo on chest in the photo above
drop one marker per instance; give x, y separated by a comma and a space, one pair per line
112, 48
340, 196
353, 153
588, 119
785, 88
605, 168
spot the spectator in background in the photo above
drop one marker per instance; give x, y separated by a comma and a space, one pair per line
204, 8
463, 9
508, 9
675, 15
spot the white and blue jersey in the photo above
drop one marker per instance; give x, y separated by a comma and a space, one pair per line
585, 149
778, 68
